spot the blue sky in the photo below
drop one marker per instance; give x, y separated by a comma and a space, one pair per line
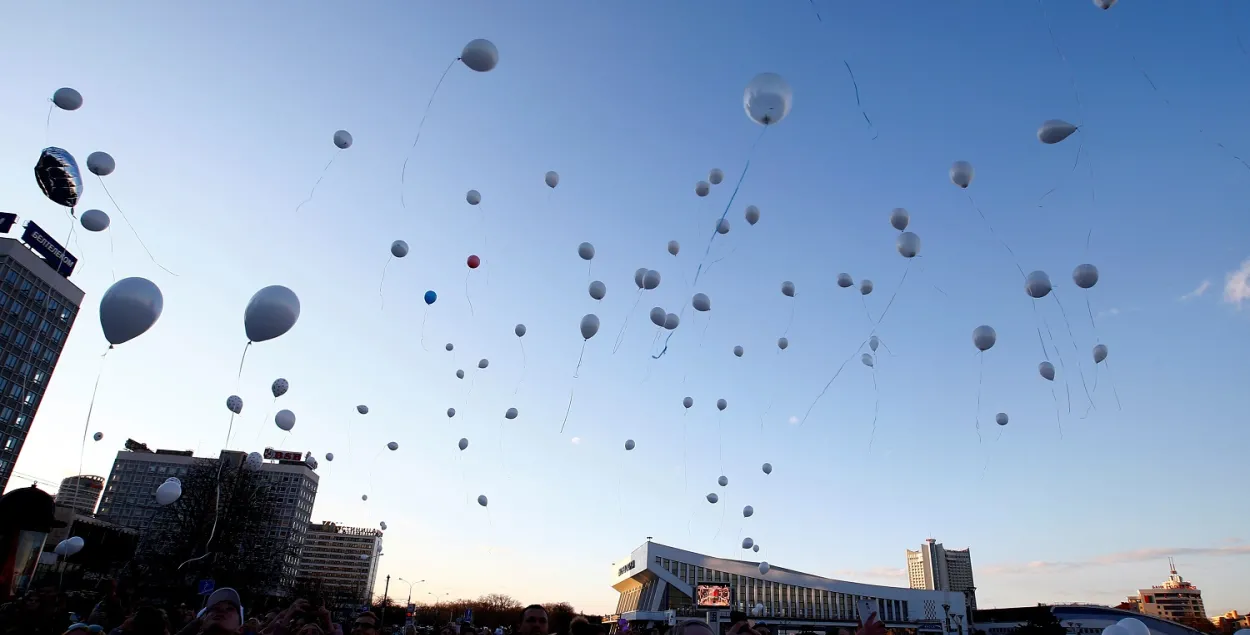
220, 118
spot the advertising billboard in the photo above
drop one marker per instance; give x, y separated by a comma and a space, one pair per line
53, 252
712, 595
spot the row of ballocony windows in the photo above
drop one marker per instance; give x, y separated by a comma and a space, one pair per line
783, 600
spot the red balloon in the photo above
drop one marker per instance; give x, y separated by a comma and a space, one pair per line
474, 261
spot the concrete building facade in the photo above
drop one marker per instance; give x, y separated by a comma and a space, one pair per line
935, 568
81, 493
344, 560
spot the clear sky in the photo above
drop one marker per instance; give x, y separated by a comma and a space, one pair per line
220, 117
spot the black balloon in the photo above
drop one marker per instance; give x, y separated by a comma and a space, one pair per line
58, 176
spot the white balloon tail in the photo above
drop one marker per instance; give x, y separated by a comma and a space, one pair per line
318, 182
132, 228
403, 173
620, 337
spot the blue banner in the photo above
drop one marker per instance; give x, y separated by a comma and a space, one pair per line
53, 253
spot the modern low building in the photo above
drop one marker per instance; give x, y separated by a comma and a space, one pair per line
343, 560
936, 568
80, 492
658, 583
1175, 599
1077, 619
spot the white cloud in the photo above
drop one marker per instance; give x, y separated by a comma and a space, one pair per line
1237, 285
576, 440
1197, 292
1121, 557
1112, 312
793, 419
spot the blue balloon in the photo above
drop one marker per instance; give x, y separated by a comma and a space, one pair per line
430, 297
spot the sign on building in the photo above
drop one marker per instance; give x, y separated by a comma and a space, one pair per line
282, 455
53, 253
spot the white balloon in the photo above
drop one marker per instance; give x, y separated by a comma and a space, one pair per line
129, 308
845, 281
451, 412
1136, 627
629, 444
483, 363
737, 351
651, 279
362, 409
253, 461
589, 326
752, 214
598, 290
983, 337
168, 492
586, 251
759, 607
473, 197
392, 446
174, 479
639, 275
1054, 131
873, 343
722, 481
364, 497
687, 402
551, 179
285, 419
747, 543
481, 500
399, 249
94, 220
1115, 629
73, 545
97, 436
674, 247
279, 387
962, 173
342, 139
787, 289
1037, 284
510, 414
767, 99
899, 219
865, 287
101, 163
756, 549
721, 404
702, 188
1100, 353
463, 444
866, 359
783, 343
748, 511
701, 302
450, 346
270, 313
61, 547
67, 98
329, 456
671, 321
657, 316
234, 404
1085, 276
480, 55
764, 568
1104, 5
459, 374
712, 498
1046, 370
768, 468
519, 330
722, 226
1001, 418
715, 176
382, 525
908, 245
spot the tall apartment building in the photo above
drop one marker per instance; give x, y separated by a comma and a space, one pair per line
38, 307
343, 559
1175, 599
81, 493
936, 568
130, 495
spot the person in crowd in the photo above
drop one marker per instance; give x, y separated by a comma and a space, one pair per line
692, 626
533, 620
222, 615
366, 624
78, 628
109, 612
148, 620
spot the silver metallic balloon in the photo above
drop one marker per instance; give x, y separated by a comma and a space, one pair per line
701, 302
1037, 284
651, 279
459, 374
481, 500
983, 337
713, 498
674, 247
483, 363
722, 226
392, 446
451, 412
589, 325
1085, 276
129, 308
510, 414
1001, 418
865, 287
67, 98
768, 468
101, 163
715, 176
787, 289
94, 220
722, 481
1046, 370
450, 347
702, 188
687, 402
270, 313
473, 197
1054, 131
58, 176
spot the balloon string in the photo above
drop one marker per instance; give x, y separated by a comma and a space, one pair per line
575, 375
1037, 325
858, 103
82, 449
793, 304
876, 408
1063, 312
815, 10
720, 443
466, 293
47, 129
424, 314
523, 365
863, 298
1113, 390
212, 532
132, 228
1064, 177
1058, 421
238, 378
1090, 311
403, 175
112, 258
620, 337
314, 187
980, 379
381, 297
723, 507
993, 233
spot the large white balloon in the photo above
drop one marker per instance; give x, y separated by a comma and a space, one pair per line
651, 279
764, 568
598, 290
67, 98
768, 468
1054, 131
738, 351
712, 498
101, 163
1037, 284
392, 446
701, 302
657, 316
674, 247
1115, 629
752, 214
1137, 627
962, 173
1100, 353
701, 189
671, 321
865, 286
285, 419
787, 289
1046, 370
899, 219
586, 251
399, 249
342, 139
722, 226
908, 245
715, 176
253, 461
748, 511
168, 492
94, 220
73, 545
279, 387
1085, 276
721, 404
480, 55
552, 179
129, 308
589, 325
270, 313
983, 337
767, 99
511, 413
473, 197
845, 280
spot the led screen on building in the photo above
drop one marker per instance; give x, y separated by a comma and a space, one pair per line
712, 595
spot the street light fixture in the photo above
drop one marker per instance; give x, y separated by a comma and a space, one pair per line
409, 583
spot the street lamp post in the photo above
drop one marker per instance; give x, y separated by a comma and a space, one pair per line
409, 591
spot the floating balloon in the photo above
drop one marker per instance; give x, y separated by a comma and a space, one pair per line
845, 280
748, 511
473, 261
94, 220
701, 302
483, 363
639, 275
721, 404
459, 374
787, 289
767, 99
589, 326
551, 179
253, 461
1136, 627
364, 497
1115, 629
463, 444
671, 321
362, 409
279, 387
737, 351
329, 456
722, 481
101, 163
481, 500
1100, 353
674, 247
129, 308
450, 347
586, 251
783, 343
382, 525
519, 330
430, 298
715, 176
865, 287
399, 249
759, 607
73, 545
473, 197
764, 568
510, 414
629, 444
867, 360
1046, 370
712, 498
1037, 284
651, 279
480, 55
99, 435
270, 313
768, 468
1085, 276
342, 139
657, 316
908, 245
873, 343
451, 412
285, 419
702, 188
58, 177
1104, 5
687, 402
961, 174
752, 214
899, 219
392, 446
168, 492
983, 337
747, 543
1001, 418
722, 226
67, 98
756, 549
1054, 131
598, 290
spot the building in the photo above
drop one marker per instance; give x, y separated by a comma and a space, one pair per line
658, 583
107, 547
1077, 619
344, 560
936, 568
129, 495
80, 492
38, 307
1175, 599
1231, 622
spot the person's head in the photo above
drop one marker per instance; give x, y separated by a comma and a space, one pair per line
310, 629
149, 620
77, 629
533, 620
366, 624
223, 613
692, 627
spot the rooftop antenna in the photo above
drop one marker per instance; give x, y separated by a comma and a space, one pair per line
1172, 565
